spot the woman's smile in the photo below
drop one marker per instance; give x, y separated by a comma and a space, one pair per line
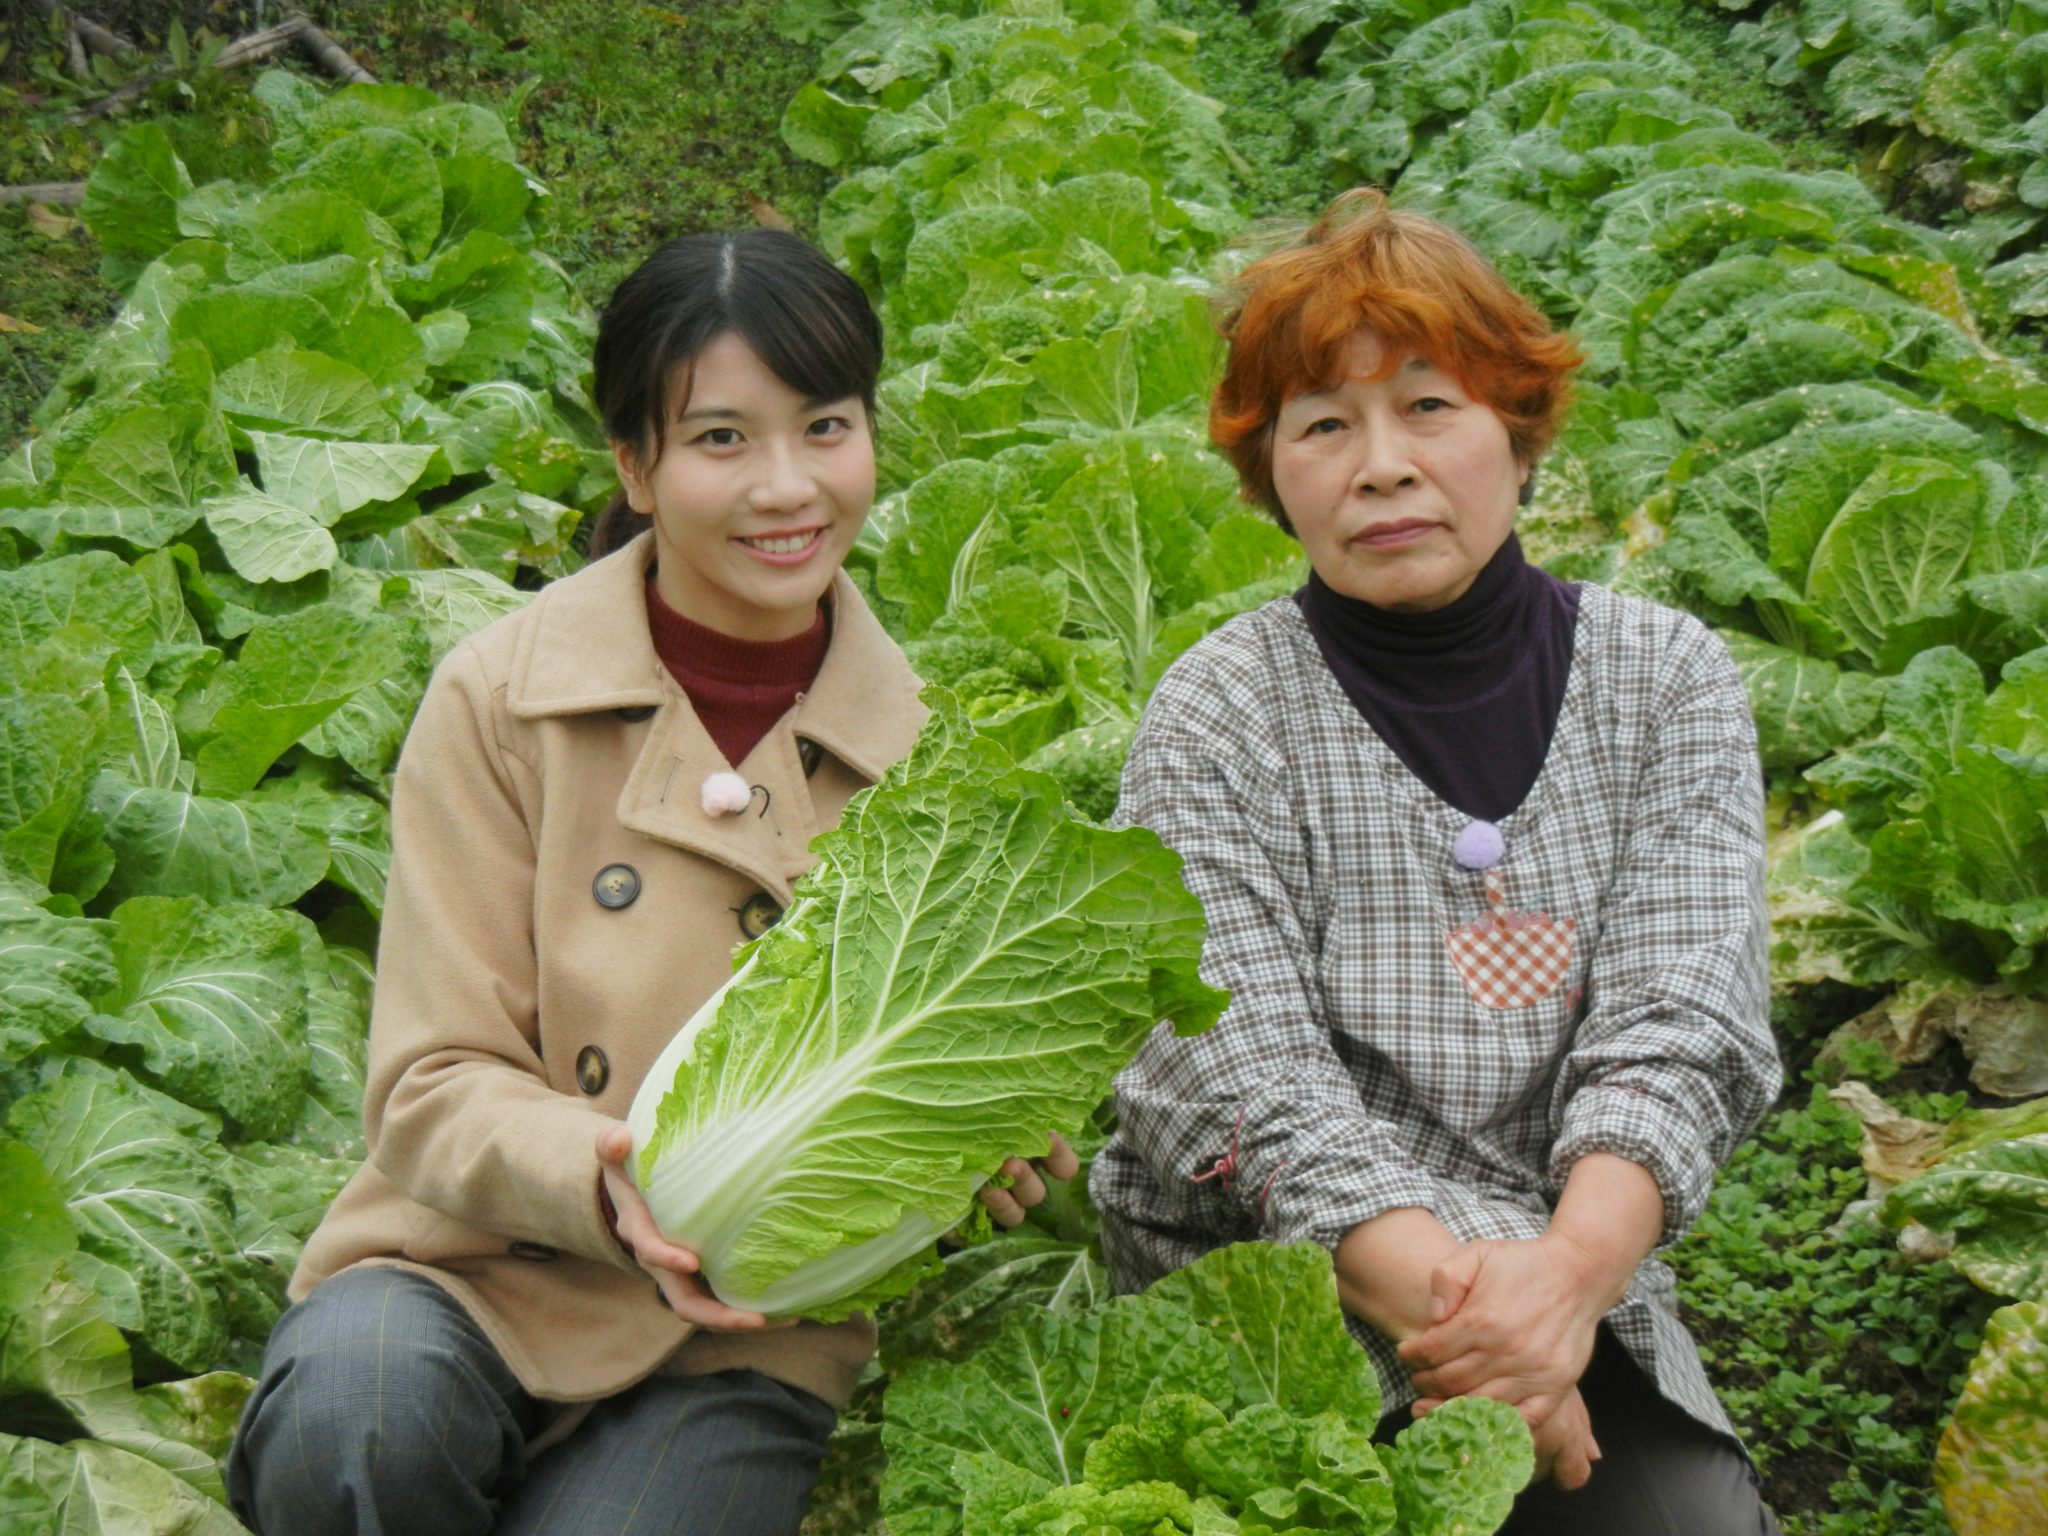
784, 549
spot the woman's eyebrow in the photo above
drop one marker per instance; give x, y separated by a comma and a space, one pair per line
731, 413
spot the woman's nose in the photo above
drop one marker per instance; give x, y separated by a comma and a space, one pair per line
785, 482
1384, 465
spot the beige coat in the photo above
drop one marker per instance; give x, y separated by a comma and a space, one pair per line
515, 1013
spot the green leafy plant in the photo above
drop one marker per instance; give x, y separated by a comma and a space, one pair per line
336, 417
1946, 804
967, 966
1837, 1361
1990, 1204
1228, 1397
1036, 196
1956, 90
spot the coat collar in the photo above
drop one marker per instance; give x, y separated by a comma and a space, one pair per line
587, 650
586, 646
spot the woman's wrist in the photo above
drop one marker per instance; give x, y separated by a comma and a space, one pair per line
1606, 1223
1384, 1266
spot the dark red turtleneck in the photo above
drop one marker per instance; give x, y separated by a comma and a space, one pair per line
739, 688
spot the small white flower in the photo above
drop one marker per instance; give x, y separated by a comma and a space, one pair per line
726, 794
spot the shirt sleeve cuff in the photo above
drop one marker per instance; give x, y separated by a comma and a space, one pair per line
1648, 1130
1318, 1193
574, 1215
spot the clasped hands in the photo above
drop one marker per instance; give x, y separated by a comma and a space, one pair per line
1515, 1321
675, 1269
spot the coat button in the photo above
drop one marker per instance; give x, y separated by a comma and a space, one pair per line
810, 754
759, 914
616, 885
592, 1070
633, 712
537, 1252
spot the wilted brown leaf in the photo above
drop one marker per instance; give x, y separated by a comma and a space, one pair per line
1896, 1147
766, 214
49, 223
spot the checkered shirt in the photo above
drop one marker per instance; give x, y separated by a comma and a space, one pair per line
1404, 1031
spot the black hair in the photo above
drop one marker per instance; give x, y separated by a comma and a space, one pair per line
811, 324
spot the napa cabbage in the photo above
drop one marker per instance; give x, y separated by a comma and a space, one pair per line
965, 968
1230, 1397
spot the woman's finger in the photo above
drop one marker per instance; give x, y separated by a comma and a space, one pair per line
1026, 1187
1061, 1161
1451, 1281
1453, 1339
614, 1146
1534, 1408
1571, 1470
636, 1226
1469, 1327
1575, 1466
1460, 1377
688, 1299
1002, 1205
655, 1251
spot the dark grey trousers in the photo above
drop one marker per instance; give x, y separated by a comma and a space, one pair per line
1661, 1472
383, 1410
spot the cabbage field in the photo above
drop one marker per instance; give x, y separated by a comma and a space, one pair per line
339, 418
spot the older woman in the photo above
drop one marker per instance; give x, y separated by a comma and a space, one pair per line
1482, 855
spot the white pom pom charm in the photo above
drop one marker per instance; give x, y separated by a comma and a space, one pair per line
726, 794
1479, 846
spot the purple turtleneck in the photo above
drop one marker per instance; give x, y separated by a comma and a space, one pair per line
1467, 696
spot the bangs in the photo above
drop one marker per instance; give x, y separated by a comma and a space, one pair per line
1306, 348
817, 352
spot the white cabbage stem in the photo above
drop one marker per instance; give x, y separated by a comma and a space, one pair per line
703, 1193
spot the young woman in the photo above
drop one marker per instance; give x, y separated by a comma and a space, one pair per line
1482, 857
488, 1333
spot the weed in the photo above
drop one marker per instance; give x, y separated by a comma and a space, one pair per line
645, 121
1241, 68
51, 282
1838, 1361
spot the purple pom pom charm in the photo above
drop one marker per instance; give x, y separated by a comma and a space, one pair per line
1479, 846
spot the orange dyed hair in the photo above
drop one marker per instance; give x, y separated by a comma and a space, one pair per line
1417, 285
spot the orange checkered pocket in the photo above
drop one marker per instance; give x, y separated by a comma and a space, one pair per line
1511, 959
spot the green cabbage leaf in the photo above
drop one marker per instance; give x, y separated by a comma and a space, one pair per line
965, 969
1228, 1398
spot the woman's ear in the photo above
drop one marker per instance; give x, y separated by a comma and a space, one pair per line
634, 483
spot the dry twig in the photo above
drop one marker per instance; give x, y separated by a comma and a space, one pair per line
295, 29
328, 54
89, 32
67, 193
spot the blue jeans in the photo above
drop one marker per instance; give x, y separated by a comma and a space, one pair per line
383, 1410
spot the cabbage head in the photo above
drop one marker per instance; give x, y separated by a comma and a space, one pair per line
966, 967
